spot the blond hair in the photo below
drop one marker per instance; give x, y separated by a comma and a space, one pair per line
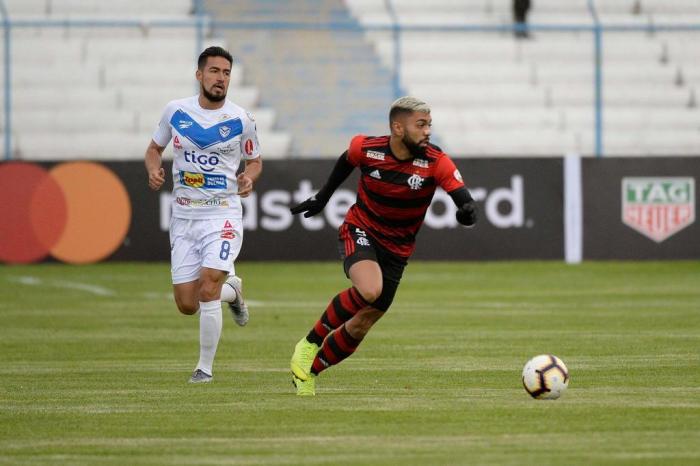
407, 104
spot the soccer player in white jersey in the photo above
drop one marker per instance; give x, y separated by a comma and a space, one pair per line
210, 136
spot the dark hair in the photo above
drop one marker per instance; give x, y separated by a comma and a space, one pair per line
213, 51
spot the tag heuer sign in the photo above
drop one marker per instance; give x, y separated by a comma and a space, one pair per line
658, 207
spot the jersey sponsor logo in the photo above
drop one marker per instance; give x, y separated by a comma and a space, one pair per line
658, 207
206, 162
213, 202
176, 143
373, 154
249, 146
205, 137
415, 182
202, 180
420, 163
225, 149
376, 174
457, 175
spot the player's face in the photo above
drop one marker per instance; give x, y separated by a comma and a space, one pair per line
214, 78
416, 131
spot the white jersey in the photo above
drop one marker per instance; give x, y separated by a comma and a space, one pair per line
208, 146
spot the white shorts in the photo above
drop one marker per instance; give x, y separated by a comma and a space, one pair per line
212, 243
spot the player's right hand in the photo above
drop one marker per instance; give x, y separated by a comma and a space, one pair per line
156, 178
310, 207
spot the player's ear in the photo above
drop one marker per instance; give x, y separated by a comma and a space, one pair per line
198, 75
396, 128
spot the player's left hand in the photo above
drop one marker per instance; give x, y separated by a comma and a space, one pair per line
245, 185
468, 214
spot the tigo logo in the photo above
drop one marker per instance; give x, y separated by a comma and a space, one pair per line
658, 207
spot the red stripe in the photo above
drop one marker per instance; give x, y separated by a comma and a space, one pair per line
346, 301
329, 356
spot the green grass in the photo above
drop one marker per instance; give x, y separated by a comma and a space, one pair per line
94, 362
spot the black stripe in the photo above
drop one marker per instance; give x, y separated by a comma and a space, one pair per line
396, 177
395, 201
390, 222
343, 314
405, 239
333, 346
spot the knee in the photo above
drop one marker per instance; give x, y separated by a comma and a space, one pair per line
209, 291
371, 293
187, 308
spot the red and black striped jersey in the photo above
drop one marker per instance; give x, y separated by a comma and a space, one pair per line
393, 195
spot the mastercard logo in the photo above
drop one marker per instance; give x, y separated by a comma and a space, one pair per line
76, 212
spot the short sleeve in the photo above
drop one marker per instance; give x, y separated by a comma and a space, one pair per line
163, 132
250, 146
355, 150
447, 175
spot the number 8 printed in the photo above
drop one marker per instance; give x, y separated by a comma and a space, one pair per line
225, 250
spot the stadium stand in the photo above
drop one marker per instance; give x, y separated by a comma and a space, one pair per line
494, 95
326, 85
97, 92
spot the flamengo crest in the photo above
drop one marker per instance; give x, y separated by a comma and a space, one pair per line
658, 207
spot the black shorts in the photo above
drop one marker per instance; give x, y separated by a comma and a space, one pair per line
354, 245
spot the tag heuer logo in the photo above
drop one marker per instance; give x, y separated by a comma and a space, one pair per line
658, 207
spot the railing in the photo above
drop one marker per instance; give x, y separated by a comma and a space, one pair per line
201, 22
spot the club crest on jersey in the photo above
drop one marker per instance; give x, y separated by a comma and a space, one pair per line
373, 154
420, 163
415, 182
224, 131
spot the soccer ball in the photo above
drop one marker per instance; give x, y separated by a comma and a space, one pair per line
545, 377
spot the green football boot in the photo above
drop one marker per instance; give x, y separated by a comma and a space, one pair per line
305, 387
303, 358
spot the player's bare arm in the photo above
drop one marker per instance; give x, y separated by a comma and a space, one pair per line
247, 178
154, 166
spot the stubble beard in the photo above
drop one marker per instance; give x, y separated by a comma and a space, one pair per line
213, 97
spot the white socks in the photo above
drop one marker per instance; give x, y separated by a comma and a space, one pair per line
228, 294
209, 333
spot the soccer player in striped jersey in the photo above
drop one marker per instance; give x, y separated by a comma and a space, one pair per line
399, 176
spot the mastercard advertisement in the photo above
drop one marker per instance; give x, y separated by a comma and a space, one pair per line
73, 212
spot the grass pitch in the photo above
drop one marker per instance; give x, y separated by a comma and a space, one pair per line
95, 362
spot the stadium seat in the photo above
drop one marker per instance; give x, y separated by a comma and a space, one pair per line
539, 94
106, 86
